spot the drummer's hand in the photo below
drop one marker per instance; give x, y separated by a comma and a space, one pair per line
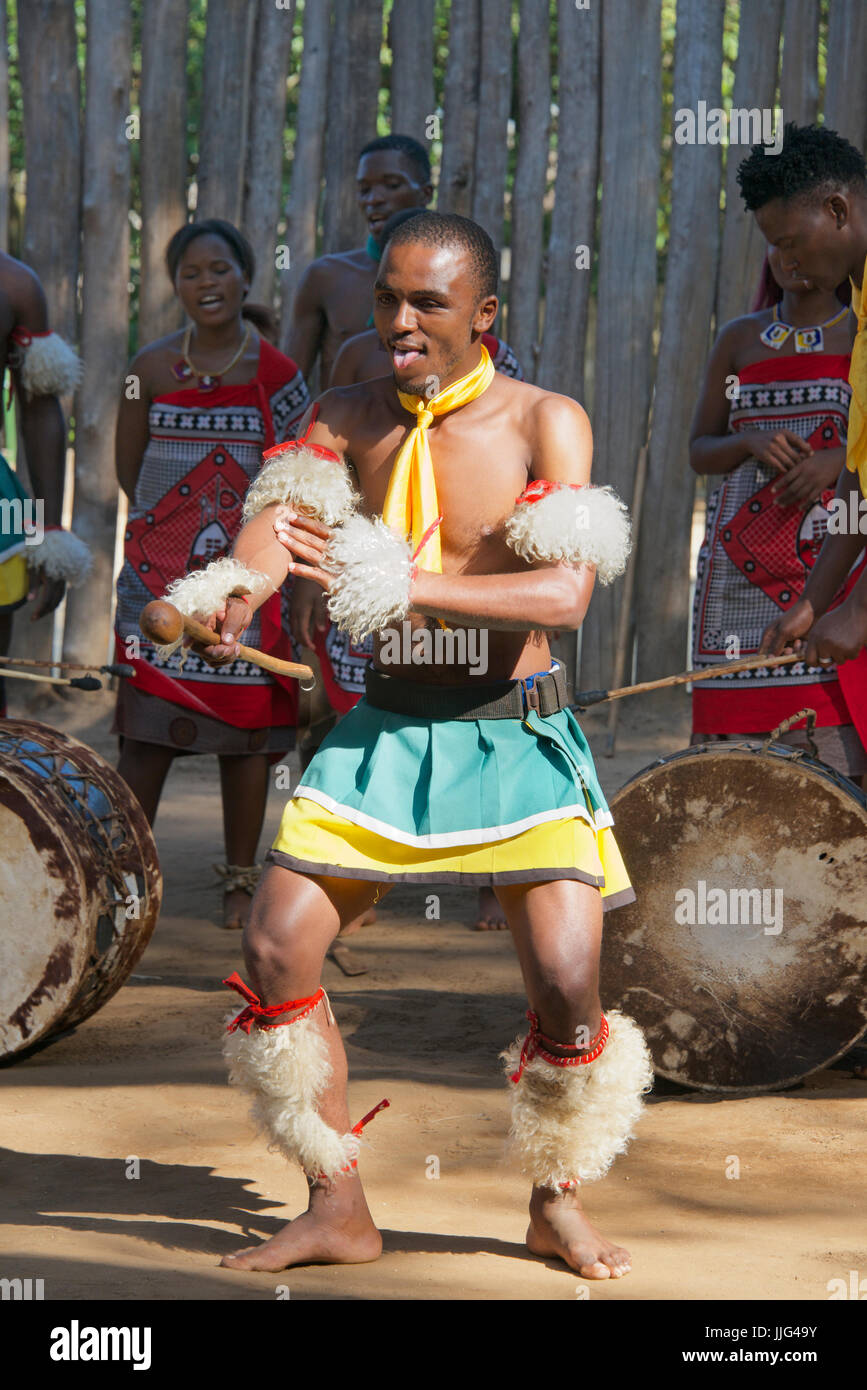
784, 635
306, 538
46, 594
229, 621
837, 637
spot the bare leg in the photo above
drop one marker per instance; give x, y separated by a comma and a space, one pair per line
557, 930
244, 784
293, 921
144, 767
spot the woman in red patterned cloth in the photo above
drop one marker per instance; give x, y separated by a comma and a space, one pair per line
772, 422
210, 398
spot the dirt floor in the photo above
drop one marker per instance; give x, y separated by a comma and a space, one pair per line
144, 1080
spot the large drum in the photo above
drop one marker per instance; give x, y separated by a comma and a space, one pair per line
744, 957
80, 885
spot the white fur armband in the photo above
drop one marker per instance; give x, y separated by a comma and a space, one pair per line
560, 523
200, 594
50, 367
62, 556
306, 476
373, 571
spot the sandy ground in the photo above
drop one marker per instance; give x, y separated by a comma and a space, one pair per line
144, 1079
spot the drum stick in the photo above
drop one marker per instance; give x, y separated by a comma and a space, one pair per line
77, 682
595, 697
162, 623
115, 669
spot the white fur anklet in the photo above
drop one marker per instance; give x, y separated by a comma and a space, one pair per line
61, 555
570, 1121
306, 476
574, 525
200, 594
373, 572
285, 1068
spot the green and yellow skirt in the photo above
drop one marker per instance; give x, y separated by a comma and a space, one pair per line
399, 799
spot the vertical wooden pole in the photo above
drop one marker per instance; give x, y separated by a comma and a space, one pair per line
799, 78
690, 276
272, 47
411, 35
531, 169
461, 109
846, 86
225, 108
629, 166
495, 103
302, 208
572, 245
105, 299
163, 159
353, 81
755, 86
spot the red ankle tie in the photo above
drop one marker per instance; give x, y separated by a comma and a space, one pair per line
256, 1009
356, 1129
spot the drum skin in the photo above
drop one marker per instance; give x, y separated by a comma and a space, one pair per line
80, 886
738, 990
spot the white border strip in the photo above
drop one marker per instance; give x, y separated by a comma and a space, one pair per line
452, 838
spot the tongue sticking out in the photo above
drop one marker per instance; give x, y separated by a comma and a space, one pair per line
404, 358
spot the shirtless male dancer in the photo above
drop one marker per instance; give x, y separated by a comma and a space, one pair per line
37, 558
333, 299
436, 776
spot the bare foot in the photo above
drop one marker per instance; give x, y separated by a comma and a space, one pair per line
336, 1229
490, 916
559, 1227
236, 909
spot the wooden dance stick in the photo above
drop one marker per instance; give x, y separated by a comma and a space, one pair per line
162, 623
583, 698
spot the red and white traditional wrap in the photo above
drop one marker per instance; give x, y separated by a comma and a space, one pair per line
572, 524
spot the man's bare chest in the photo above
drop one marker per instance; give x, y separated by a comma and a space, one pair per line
349, 302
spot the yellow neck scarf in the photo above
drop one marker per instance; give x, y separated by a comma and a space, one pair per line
411, 506
856, 445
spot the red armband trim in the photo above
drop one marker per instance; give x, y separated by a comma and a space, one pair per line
542, 487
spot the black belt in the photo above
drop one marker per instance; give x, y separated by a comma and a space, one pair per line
499, 700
